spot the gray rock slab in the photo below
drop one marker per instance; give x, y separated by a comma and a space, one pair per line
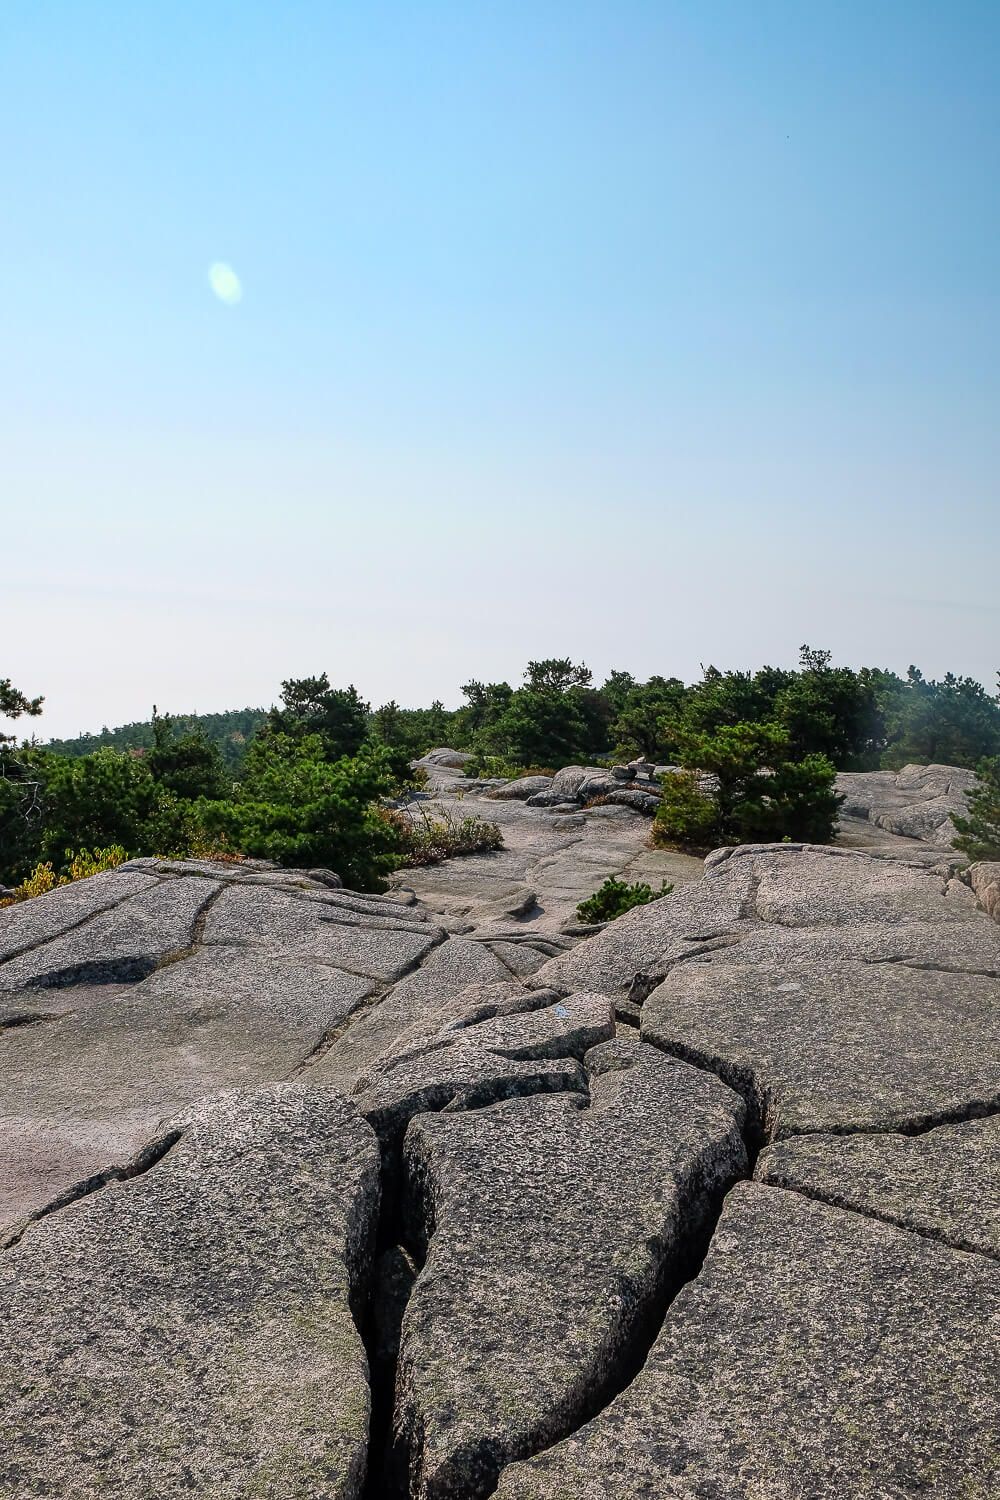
520, 789
649, 939
818, 1354
776, 902
945, 1183
552, 1231
191, 1329
83, 1090
520, 958
452, 1014
240, 872
27, 924
484, 1061
462, 1076
916, 802
445, 972
126, 941
848, 1047
377, 948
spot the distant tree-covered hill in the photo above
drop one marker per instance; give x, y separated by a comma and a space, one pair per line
231, 732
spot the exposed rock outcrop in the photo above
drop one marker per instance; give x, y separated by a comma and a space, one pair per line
189, 1327
818, 1354
532, 1128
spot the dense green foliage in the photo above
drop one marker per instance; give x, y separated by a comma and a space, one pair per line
308, 780
186, 764
979, 833
20, 790
615, 897
229, 732
763, 790
298, 807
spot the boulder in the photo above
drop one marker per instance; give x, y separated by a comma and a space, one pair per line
637, 799
566, 783
596, 786
444, 759
520, 789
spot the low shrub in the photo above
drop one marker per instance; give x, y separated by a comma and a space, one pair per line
616, 897
427, 840
81, 865
762, 792
686, 817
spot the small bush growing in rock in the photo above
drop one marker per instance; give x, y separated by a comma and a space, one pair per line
615, 897
979, 833
428, 840
762, 793
81, 865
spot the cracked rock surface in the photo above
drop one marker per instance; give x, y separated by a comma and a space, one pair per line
554, 1226
945, 1183
245, 1113
190, 1329
817, 1354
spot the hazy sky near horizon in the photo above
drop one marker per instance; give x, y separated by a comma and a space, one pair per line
649, 333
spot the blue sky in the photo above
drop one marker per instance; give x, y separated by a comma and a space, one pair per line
648, 333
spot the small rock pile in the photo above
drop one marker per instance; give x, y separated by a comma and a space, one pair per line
635, 785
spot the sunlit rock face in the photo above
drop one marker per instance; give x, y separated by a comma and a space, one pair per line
437, 1193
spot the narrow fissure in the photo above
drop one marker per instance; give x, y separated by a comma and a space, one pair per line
399, 1257
53, 937
938, 1237
147, 1158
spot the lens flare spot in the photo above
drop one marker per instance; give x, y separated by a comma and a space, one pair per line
225, 283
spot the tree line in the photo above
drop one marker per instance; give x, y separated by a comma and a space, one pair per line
308, 781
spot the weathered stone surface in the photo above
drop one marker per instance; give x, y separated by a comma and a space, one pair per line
82, 1091
454, 1013
818, 1354
379, 946
191, 1329
854, 1048
945, 1183
520, 789
240, 872
124, 942
553, 1230
789, 899
30, 923
448, 970
649, 939
521, 958
918, 801
814, 1006
485, 1061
